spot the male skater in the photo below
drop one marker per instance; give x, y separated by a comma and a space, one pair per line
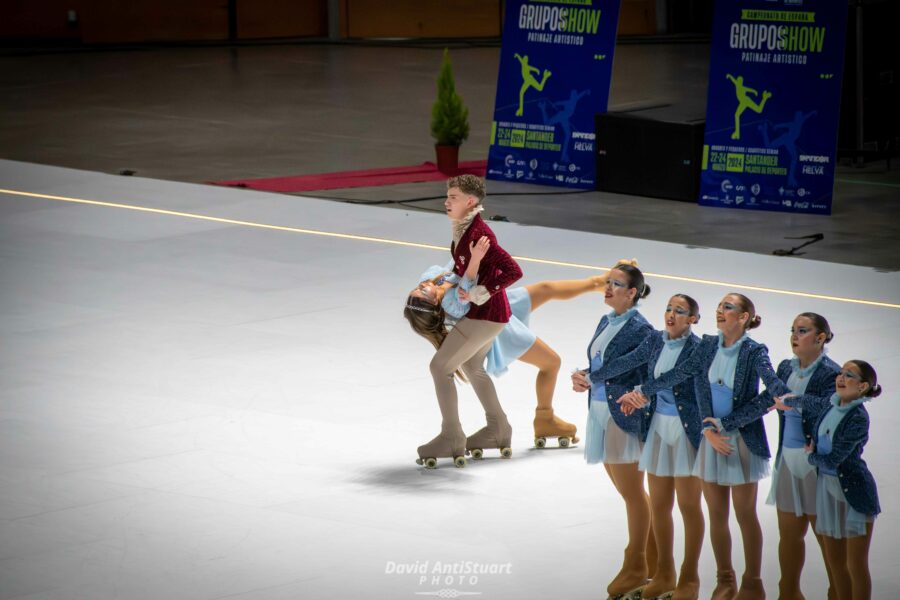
470, 339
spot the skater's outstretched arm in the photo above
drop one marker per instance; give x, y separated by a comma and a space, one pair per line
638, 357
759, 405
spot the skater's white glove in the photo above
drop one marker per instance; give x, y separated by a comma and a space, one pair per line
478, 295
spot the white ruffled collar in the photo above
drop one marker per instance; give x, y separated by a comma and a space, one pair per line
460, 227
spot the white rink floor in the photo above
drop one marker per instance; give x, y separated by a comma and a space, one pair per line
199, 410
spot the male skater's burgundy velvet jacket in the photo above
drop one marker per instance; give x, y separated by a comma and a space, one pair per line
497, 271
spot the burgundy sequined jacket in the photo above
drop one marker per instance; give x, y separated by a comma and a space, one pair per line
497, 271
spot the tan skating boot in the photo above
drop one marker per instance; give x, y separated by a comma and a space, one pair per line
751, 589
548, 425
726, 586
445, 445
659, 588
631, 580
496, 434
687, 590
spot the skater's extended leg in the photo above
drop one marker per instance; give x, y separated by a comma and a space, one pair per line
563, 289
546, 423
548, 363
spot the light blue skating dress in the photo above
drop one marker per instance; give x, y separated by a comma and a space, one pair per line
667, 451
741, 466
604, 441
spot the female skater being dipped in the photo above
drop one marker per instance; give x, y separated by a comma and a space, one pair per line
612, 437
670, 450
846, 495
733, 454
439, 302
809, 373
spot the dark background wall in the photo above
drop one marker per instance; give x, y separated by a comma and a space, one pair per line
97, 22
112, 22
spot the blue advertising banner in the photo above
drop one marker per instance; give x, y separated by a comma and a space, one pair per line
555, 69
774, 104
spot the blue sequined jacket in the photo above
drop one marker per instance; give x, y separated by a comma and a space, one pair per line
749, 406
685, 398
632, 334
847, 442
821, 385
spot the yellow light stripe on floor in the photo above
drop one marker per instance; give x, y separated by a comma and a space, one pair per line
364, 238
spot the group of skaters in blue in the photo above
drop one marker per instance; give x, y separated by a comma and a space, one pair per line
681, 412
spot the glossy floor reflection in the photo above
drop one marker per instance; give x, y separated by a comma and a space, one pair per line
193, 409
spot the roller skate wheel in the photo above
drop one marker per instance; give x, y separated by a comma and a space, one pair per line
460, 462
540, 442
430, 463
419, 461
563, 442
477, 453
506, 452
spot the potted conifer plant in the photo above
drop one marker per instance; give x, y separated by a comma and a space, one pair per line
449, 120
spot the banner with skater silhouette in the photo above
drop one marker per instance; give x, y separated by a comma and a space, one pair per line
555, 70
773, 105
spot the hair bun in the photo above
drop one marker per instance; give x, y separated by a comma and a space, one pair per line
755, 322
646, 291
876, 391
829, 337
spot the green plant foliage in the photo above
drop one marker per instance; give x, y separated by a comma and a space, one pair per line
449, 116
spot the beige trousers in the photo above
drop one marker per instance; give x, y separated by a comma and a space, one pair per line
465, 348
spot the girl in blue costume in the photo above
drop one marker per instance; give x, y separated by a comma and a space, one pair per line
809, 373
733, 454
612, 437
846, 494
670, 449
442, 298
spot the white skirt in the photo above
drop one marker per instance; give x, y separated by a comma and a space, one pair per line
668, 452
836, 518
737, 468
606, 442
794, 483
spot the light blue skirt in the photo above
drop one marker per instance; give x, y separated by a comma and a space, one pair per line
515, 339
667, 452
793, 483
606, 442
737, 468
836, 518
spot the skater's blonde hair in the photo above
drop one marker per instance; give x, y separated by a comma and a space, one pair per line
427, 320
469, 184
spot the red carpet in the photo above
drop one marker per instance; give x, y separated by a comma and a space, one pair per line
350, 179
